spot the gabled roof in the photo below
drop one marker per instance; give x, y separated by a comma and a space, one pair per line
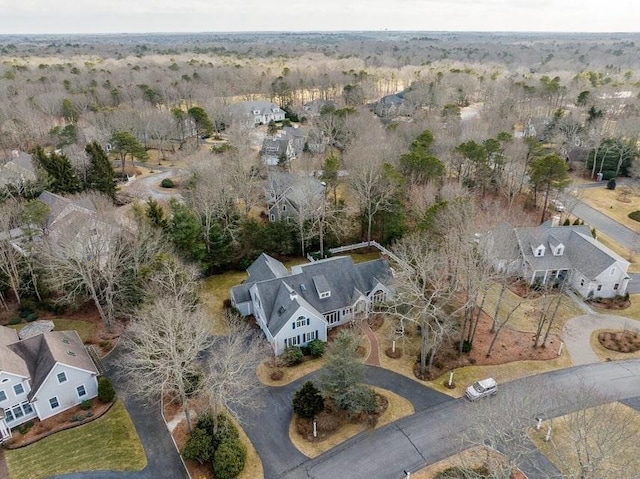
296, 189
41, 353
345, 280
10, 362
581, 251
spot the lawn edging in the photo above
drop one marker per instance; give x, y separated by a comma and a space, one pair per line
62, 428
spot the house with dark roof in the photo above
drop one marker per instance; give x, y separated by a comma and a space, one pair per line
295, 307
289, 196
551, 255
42, 375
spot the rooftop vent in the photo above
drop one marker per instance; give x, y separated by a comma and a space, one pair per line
71, 353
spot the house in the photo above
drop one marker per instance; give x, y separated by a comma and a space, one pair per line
295, 307
287, 145
552, 255
254, 113
19, 171
289, 195
277, 150
42, 375
75, 220
314, 108
390, 106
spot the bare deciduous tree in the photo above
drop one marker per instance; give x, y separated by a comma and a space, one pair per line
230, 382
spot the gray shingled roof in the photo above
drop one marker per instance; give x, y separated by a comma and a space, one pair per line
42, 352
339, 275
10, 362
262, 269
582, 252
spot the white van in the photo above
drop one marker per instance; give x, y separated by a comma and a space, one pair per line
480, 389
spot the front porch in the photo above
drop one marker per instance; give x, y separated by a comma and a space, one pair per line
549, 278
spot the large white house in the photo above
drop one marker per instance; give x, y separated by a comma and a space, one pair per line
253, 113
42, 375
550, 255
295, 307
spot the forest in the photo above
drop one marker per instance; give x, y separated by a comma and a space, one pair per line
408, 127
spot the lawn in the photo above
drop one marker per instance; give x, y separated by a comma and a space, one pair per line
607, 202
108, 443
603, 426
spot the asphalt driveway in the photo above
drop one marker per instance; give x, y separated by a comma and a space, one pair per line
268, 428
163, 461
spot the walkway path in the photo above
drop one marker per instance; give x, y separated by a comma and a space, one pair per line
374, 351
577, 334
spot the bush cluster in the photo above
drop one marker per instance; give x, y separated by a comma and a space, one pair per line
219, 444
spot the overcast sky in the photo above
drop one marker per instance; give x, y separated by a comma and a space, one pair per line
116, 16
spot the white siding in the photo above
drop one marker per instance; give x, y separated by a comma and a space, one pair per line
13, 399
315, 324
65, 392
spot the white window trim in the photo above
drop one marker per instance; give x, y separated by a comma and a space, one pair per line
57, 401
5, 395
63, 380
16, 392
78, 392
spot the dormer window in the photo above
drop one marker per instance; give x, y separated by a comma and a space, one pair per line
539, 251
558, 250
322, 286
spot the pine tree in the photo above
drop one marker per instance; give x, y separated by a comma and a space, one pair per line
59, 170
100, 175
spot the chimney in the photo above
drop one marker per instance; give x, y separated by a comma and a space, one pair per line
555, 220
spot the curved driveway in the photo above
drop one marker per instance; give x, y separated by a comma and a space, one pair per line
163, 461
577, 332
268, 428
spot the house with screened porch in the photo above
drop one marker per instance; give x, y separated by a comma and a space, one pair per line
294, 307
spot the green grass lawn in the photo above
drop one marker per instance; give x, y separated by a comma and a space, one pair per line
108, 443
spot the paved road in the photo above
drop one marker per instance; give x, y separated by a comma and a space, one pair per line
163, 461
576, 334
435, 433
148, 186
268, 428
594, 218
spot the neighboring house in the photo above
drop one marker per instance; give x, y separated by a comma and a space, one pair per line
42, 375
295, 307
290, 195
390, 106
287, 145
18, 171
551, 255
313, 108
276, 151
255, 113
73, 219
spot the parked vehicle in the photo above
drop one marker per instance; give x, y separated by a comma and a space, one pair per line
557, 204
480, 389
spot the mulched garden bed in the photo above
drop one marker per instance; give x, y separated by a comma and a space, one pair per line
332, 418
73, 417
611, 303
620, 341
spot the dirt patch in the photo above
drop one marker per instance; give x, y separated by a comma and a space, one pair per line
611, 303
510, 346
375, 321
620, 341
68, 419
